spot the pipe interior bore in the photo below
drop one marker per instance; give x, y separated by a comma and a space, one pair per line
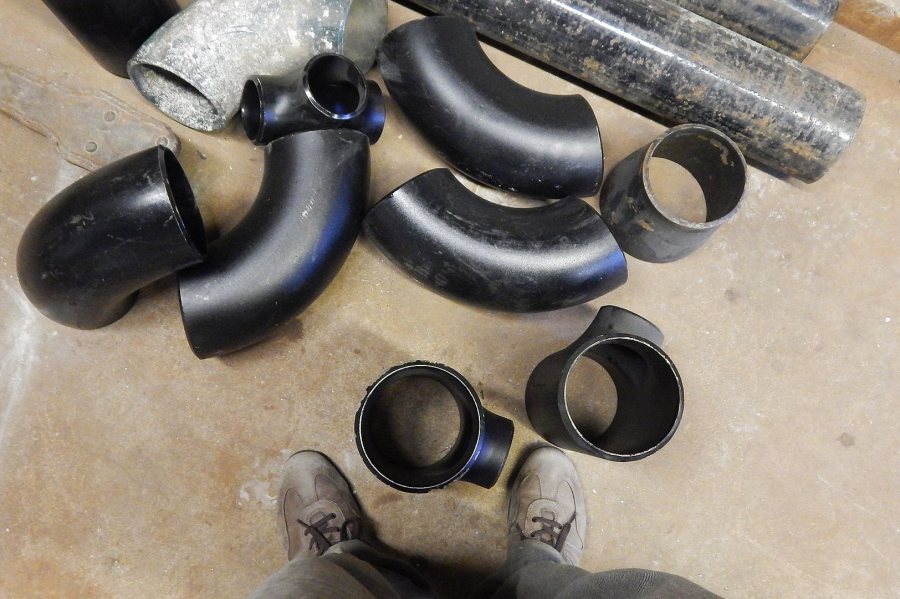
715, 163
252, 109
335, 86
414, 472
649, 392
172, 94
181, 196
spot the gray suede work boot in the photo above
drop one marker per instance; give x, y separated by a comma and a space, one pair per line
546, 504
316, 508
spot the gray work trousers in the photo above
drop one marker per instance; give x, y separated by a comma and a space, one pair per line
533, 570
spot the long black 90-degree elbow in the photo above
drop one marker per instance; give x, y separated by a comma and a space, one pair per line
329, 93
484, 123
287, 249
87, 252
513, 259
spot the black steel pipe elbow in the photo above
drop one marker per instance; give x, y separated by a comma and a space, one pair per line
87, 251
113, 30
477, 456
514, 259
287, 249
329, 93
648, 386
481, 121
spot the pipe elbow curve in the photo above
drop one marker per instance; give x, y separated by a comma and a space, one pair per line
482, 122
512, 259
287, 249
87, 251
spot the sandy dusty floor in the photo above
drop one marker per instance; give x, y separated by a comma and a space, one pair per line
129, 468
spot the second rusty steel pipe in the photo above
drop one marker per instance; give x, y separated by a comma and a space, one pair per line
793, 27
790, 119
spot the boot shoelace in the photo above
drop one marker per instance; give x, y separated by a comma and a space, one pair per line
548, 531
318, 529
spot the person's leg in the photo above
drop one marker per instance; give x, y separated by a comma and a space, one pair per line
321, 524
547, 524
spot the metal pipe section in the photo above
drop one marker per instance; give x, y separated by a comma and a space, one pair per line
789, 119
498, 257
287, 249
650, 395
113, 30
87, 252
194, 67
482, 122
792, 27
329, 93
477, 456
631, 206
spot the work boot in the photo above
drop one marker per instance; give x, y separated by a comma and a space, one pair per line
546, 504
316, 508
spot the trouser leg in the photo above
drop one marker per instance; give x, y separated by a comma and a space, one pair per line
534, 570
348, 570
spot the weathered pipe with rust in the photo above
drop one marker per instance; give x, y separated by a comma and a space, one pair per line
787, 118
793, 27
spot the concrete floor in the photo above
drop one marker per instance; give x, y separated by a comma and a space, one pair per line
129, 468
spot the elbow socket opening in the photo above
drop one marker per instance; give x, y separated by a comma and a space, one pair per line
172, 94
252, 110
335, 86
182, 198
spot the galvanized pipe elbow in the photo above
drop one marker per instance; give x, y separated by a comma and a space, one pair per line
329, 93
87, 252
194, 68
512, 259
482, 122
287, 249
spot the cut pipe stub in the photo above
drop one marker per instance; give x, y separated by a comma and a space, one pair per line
649, 389
630, 205
477, 456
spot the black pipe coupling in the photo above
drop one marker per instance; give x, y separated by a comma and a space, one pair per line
649, 389
329, 93
477, 456
514, 259
288, 248
484, 123
87, 252
631, 207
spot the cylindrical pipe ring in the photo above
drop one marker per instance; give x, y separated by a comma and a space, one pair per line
477, 456
649, 389
630, 205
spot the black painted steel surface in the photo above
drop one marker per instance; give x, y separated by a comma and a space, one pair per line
112, 30
481, 121
87, 251
330, 92
513, 259
477, 456
650, 393
287, 249
788, 118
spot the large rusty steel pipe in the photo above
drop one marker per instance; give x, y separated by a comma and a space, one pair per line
793, 27
787, 118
